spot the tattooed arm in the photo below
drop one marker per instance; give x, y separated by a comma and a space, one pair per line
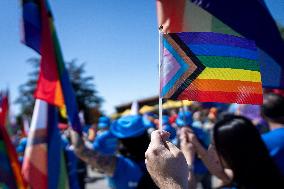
100, 162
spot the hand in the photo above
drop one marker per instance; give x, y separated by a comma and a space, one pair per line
102, 163
189, 152
209, 157
166, 163
187, 146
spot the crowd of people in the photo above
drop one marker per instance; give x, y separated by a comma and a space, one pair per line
242, 146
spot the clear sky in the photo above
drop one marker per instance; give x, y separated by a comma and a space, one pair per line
118, 41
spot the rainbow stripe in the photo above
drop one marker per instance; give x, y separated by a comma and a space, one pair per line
210, 67
235, 17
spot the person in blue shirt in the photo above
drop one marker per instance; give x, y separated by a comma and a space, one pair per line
127, 169
273, 112
202, 174
105, 142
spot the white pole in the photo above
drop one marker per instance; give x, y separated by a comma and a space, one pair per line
160, 64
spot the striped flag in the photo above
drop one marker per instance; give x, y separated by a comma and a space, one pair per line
53, 85
249, 19
44, 165
54, 90
10, 169
210, 67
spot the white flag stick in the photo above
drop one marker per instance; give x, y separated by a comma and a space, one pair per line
160, 64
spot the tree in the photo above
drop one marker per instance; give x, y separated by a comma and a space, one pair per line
86, 94
26, 98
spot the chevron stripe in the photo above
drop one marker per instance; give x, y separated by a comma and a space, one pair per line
199, 67
177, 53
174, 55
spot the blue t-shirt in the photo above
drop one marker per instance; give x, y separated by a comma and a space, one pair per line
274, 141
203, 137
105, 143
127, 174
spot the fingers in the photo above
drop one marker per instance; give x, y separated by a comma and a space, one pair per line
186, 129
173, 149
157, 144
158, 138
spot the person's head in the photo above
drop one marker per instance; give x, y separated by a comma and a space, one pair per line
240, 146
104, 123
273, 108
132, 133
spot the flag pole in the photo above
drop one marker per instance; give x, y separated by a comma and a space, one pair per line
160, 127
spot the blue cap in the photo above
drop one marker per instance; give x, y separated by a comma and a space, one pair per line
128, 126
184, 118
105, 143
104, 122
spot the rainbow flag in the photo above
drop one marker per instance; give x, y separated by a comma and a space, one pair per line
53, 84
249, 19
53, 89
10, 169
44, 165
210, 67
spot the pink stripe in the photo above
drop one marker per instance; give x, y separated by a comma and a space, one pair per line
169, 67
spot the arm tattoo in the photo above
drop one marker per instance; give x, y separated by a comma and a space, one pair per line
100, 162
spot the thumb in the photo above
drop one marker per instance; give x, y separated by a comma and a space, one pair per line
173, 149
158, 137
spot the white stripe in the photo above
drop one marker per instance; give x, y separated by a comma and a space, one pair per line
39, 119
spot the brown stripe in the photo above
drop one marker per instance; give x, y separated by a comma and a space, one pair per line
186, 59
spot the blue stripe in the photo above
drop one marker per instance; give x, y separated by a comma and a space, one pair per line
54, 148
180, 72
220, 50
216, 39
253, 21
70, 101
32, 25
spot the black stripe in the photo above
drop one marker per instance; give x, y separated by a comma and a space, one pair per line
195, 60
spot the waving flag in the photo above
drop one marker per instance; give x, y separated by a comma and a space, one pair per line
53, 89
53, 85
210, 67
43, 164
250, 19
10, 174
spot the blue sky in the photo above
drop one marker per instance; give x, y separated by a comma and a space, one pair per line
118, 41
